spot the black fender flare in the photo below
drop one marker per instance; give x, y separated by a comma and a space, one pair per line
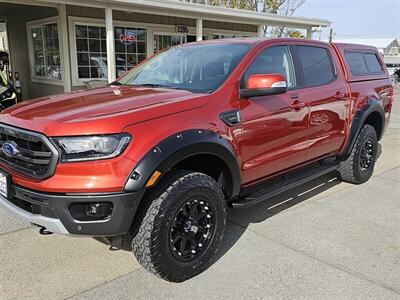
372, 105
180, 146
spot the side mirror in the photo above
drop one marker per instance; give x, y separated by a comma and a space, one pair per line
264, 85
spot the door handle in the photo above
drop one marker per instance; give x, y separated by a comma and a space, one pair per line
340, 95
297, 105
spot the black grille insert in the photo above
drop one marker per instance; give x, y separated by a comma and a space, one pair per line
35, 157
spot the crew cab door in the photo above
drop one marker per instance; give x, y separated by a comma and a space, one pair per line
323, 89
273, 128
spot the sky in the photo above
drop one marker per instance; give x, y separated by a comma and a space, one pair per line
356, 18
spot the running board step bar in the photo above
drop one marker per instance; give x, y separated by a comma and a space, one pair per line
288, 184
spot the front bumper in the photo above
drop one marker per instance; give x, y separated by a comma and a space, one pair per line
52, 211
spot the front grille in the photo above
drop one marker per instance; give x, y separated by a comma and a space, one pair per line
36, 156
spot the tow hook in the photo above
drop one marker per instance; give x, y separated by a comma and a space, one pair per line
44, 231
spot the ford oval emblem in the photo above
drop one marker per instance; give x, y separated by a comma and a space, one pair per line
10, 149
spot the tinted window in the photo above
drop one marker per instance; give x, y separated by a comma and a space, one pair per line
356, 63
317, 65
361, 63
274, 60
372, 62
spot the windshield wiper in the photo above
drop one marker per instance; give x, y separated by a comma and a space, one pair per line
115, 83
154, 85
161, 86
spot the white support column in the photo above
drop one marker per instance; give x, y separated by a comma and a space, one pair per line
309, 33
150, 42
199, 29
65, 55
261, 32
110, 45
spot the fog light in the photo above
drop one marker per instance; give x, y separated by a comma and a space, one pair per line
91, 211
98, 210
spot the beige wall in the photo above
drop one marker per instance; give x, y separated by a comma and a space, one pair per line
88, 12
37, 89
19, 53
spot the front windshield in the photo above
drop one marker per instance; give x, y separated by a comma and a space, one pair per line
198, 68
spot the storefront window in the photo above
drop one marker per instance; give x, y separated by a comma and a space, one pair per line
46, 52
193, 38
130, 47
165, 41
91, 52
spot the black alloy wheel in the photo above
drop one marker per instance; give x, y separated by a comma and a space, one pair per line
366, 155
192, 229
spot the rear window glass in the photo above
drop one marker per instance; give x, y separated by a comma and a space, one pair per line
361, 63
356, 63
317, 65
372, 62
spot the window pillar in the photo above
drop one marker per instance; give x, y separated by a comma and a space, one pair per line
65, 63
199, 29
111, 67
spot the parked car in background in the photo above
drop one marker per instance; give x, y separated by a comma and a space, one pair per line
154, 159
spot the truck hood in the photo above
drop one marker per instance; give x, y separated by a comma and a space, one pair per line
99, 111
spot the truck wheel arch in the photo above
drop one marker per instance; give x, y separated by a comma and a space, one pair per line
183, 147
373, 114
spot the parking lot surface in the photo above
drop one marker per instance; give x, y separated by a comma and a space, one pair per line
324, 240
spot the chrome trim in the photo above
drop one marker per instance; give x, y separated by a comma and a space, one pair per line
53, 225
32, 136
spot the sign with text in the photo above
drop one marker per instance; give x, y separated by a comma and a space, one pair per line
182, 29
127, 37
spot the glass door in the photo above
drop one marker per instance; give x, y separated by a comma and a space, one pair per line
166, 40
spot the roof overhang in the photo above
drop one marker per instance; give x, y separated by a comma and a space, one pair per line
190, 10
392, 59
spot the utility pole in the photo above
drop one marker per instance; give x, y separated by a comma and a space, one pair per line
331, 35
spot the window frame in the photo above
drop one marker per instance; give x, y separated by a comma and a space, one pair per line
243, 77
74, 54
76, 81
346, 51
393, 52
40, 23
134, 26
300, 70
74, 21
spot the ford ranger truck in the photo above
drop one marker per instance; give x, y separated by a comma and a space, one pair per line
152, 161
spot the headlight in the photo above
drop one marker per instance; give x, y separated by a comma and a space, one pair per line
83, 148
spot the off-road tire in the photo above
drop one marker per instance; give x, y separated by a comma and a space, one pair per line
350, 170
151, 242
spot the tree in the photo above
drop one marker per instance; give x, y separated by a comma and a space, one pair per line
280, 7
295, 34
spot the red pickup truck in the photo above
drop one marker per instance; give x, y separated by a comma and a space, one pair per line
154, 158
